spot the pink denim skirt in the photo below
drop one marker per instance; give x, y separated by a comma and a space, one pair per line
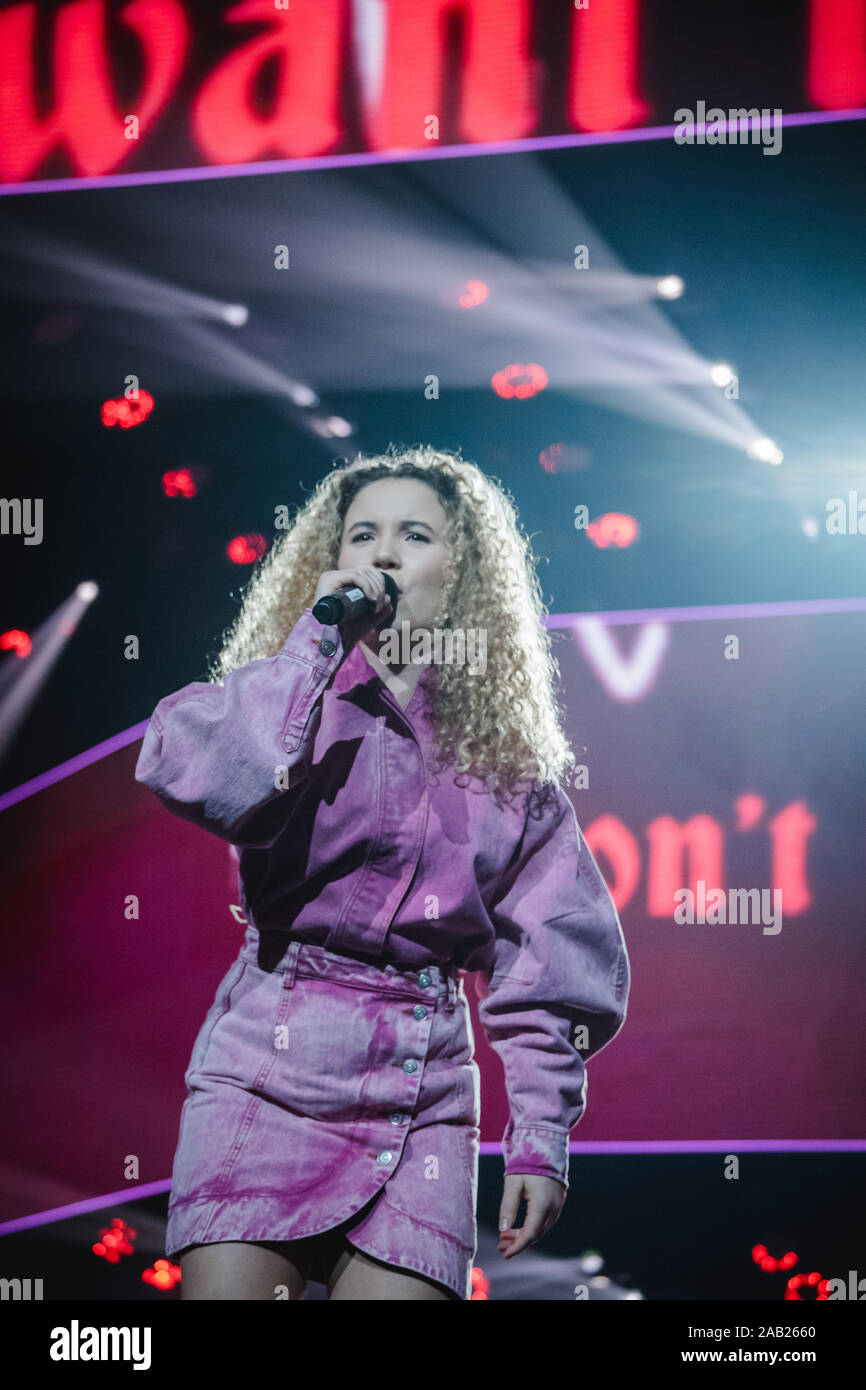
327, 1092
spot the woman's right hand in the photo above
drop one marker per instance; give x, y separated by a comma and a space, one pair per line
372, 582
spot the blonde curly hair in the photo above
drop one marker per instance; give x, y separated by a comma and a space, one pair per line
503, 729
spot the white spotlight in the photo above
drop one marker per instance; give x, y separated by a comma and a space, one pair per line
335, 427
809, 527
87, 591
338, 426
303, 395
670, 286
765, 450
721, 374
236, 314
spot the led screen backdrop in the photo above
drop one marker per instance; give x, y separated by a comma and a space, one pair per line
95, 89
725, 747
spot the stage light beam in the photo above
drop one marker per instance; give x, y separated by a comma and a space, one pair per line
765, 450
670, 287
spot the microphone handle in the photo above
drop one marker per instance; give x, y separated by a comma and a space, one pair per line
334, 609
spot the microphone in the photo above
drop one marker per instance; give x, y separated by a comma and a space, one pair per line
345, 604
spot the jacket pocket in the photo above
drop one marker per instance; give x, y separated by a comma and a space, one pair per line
304, 715
217, 1011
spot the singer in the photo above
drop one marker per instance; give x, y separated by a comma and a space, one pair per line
397, 825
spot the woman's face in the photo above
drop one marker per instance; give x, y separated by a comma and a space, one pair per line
398, 525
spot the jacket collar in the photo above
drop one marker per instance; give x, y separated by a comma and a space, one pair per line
355, 669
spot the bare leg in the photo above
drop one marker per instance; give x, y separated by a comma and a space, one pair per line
358, 1276
238, 1269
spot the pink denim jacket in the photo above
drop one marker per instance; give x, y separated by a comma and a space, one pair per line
308, 764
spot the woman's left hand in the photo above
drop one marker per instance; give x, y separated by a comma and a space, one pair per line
545, 1198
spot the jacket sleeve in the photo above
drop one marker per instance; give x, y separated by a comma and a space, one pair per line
213, 753
558, 987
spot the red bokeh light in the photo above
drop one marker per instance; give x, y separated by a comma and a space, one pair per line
127, 413
245, 550
614, 528
480, 1284
14, 640
520, 379
814, 1281
768, 1263
564, 458
164, 1275
475, 293
178, 483
115, 1240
